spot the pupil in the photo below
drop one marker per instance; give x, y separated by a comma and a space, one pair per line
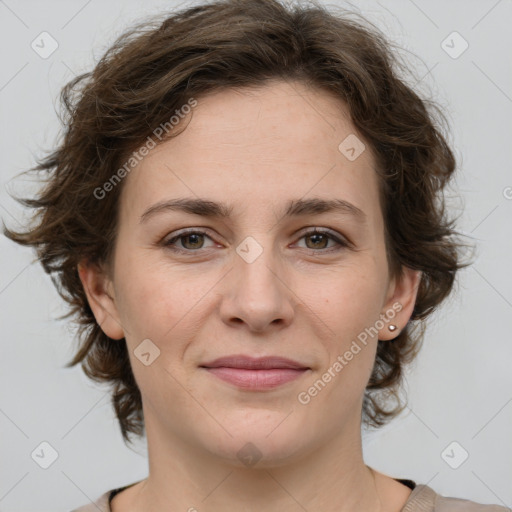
317, 236
196, 237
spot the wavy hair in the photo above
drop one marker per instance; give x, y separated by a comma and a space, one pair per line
153, 69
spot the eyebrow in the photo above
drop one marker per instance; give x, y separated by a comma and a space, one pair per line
294, 208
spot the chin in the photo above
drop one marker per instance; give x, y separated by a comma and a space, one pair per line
269, 439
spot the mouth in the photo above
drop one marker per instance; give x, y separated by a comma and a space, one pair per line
255, 374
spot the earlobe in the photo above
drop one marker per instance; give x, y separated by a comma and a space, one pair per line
97, 287
400, 303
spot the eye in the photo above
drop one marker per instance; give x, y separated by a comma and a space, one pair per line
318, 240
191, 240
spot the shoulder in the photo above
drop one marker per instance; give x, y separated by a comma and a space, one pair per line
423, 498
100, 505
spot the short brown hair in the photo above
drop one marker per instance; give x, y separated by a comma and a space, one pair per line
153, 69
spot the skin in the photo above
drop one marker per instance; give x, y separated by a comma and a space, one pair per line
303, 298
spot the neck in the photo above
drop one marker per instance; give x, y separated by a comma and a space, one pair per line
331, 477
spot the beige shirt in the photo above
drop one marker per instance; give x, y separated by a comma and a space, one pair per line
421, 499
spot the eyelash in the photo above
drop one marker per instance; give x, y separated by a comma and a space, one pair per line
342, 244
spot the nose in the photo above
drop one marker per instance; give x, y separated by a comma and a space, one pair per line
256, 294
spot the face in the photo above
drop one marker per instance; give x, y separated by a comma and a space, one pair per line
246, 275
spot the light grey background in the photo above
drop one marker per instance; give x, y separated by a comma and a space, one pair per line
460, 388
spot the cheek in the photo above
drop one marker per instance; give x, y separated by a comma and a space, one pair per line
158, 300
351, 299
350, 309
350, 306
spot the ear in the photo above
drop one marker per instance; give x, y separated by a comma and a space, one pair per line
400, 302
99, 290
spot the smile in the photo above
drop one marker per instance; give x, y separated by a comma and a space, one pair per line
256, 379
255, 373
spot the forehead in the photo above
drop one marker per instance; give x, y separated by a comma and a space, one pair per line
259, 146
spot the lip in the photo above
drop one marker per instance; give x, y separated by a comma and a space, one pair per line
255, 373
244, 362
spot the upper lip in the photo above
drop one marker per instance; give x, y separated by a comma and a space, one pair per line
254, 363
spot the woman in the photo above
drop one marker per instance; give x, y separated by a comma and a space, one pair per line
245, 215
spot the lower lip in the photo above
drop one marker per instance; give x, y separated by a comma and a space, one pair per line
256, 379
